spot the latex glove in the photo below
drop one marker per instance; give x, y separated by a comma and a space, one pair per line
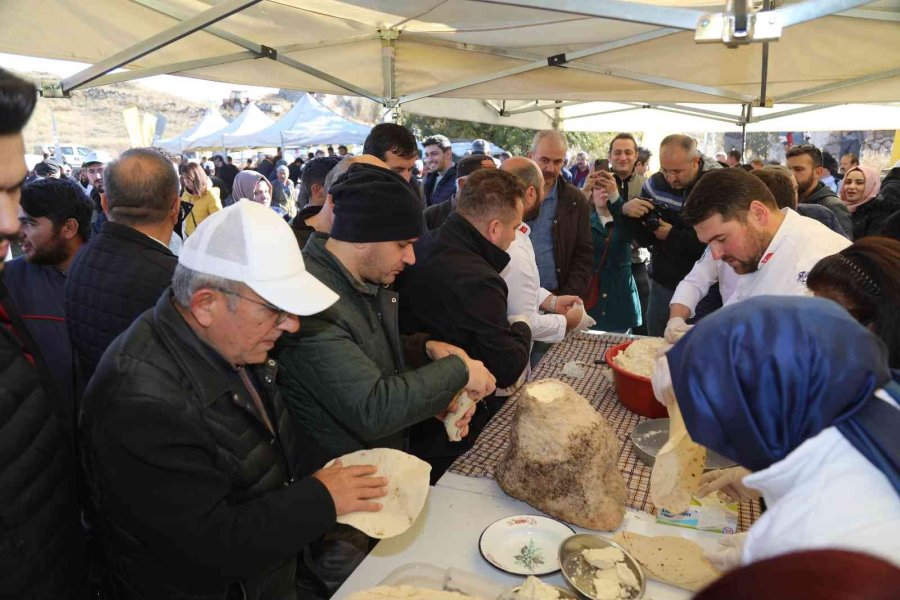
729, 482
661, 381
728, 555
675, 329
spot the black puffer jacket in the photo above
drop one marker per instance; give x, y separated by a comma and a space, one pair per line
194, 498
118, 275
41, 542
869, 218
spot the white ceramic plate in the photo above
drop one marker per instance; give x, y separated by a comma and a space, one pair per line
524, 544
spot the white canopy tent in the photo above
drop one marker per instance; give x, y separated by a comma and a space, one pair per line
403, 52
308, 123
211, 122
248, 122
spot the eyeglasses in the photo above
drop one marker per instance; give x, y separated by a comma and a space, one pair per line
282, 314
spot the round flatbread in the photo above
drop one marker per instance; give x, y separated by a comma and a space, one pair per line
670, 559
408, 479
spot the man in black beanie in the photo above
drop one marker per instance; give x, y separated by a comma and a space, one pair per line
455, 293
349, 378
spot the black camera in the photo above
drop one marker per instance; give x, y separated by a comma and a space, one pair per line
651, 219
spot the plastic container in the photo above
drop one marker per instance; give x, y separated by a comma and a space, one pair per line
635, 392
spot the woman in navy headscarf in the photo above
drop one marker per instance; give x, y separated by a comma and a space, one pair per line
795, 390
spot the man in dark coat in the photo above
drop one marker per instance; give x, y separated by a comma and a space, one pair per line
455, 293
561, 233
440, 183
436, 214
195, 471
123, 269
674, 244
41, 541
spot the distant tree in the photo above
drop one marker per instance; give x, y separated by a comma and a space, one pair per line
514, 140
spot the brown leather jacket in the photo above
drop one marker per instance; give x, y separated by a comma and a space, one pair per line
573, 249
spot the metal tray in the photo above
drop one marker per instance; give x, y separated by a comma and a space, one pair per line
650, 436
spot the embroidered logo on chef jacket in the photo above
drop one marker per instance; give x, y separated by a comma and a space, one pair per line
801, 277
523, 228
767, 258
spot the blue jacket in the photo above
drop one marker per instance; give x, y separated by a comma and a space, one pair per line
446, 187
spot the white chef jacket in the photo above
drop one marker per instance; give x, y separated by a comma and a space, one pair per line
707, 271
824, 494
525, 291
798, 245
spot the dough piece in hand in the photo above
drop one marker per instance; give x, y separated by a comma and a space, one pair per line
407, 490
670, 559
678, 467
463, 403
562, 458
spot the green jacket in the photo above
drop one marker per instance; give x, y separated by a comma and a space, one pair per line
344, 375
618, 306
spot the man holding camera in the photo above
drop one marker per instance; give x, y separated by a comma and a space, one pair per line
654, 220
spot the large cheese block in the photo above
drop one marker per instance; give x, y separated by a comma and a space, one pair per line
562, 458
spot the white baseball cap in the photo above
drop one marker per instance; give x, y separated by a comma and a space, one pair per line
250, 243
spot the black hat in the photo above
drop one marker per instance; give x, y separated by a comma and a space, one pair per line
472, 163
372, 204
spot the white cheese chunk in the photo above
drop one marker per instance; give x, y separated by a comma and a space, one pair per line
606, 589
603, 558
626, 576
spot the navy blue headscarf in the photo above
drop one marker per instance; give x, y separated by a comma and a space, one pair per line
756, 379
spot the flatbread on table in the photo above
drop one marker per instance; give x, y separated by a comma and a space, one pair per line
407, 592
678, 467
670, 559
408, 479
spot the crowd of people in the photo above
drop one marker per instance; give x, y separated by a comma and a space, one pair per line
167, 417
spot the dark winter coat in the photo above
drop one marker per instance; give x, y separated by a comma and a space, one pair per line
41, 541
618, 306
824, 196
869, 218
118, 275
674, 257
193, 497
446, 187
573, 250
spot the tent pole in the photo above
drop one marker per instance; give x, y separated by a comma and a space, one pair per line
153, 43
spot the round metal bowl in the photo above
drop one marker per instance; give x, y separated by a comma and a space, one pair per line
579, 574
650, 436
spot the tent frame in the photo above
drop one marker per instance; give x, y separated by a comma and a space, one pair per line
671, 20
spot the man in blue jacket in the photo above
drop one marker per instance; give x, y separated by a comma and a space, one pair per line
440, 183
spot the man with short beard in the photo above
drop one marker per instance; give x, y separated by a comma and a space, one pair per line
54, 223
806, 162
92, 167
439, 183
771, 249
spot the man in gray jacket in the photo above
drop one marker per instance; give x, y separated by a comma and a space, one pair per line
805, 161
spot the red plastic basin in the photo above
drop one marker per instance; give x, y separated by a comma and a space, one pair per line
634, 392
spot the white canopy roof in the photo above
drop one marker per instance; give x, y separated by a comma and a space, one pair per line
211, 122
398, 52
248, 122
308, 123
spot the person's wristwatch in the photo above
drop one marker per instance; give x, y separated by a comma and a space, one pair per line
553, 300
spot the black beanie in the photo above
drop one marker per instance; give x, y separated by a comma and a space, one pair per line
372, 204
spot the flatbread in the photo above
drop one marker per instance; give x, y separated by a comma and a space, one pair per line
678, 467
408, 479
674, 560
463, 403
407, 592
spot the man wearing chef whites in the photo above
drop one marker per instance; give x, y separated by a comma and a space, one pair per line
771, 250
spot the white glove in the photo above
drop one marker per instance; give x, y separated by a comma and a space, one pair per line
729, 482
728, 555
661, 381
675, 329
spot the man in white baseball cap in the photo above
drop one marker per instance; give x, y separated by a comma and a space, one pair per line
192, 460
